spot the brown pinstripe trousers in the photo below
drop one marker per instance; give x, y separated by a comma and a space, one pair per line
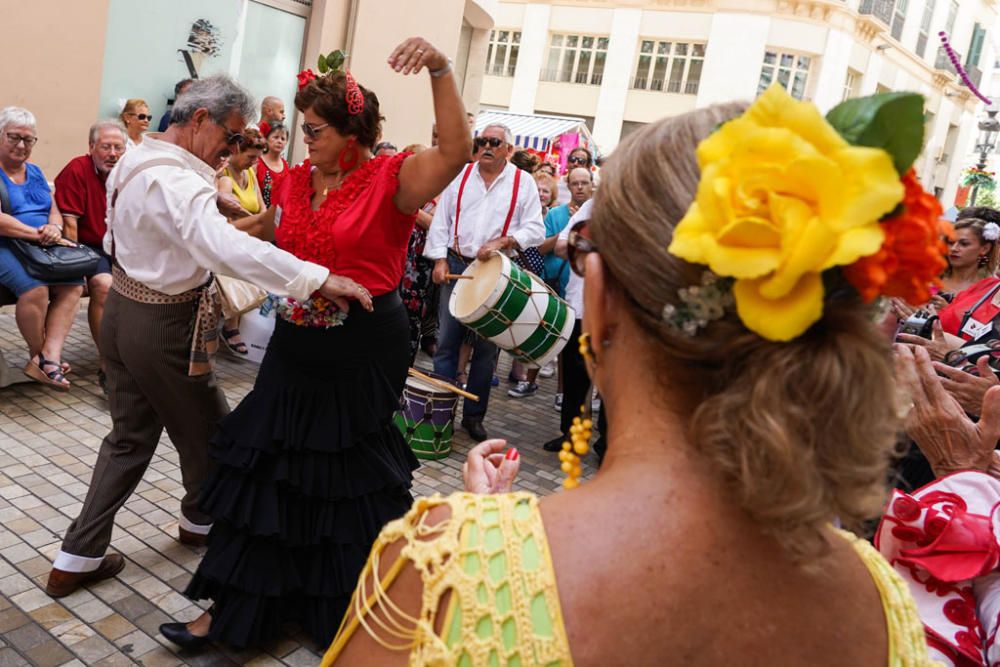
146, 350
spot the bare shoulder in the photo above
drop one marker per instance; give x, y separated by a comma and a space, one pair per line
694, 585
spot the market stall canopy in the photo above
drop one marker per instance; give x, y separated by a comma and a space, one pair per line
534, 131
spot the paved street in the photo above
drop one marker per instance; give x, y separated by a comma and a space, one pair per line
48, 444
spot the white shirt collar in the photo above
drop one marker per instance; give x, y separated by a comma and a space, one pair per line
189, 159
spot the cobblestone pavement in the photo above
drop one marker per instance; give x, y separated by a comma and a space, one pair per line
48, 445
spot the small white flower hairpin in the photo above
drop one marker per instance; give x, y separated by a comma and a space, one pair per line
700, 304
991, 231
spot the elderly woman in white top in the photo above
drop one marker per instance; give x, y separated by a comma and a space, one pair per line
44, 311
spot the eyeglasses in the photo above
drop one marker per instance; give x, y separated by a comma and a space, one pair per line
577, 160
232, 138
493, 142
111, 148
578, 247
15, 139
143, 116
312, 131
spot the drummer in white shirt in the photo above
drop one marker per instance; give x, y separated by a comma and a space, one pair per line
166, 236
576, 382
492, 215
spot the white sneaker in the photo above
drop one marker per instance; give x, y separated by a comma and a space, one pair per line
547, 371
557, 404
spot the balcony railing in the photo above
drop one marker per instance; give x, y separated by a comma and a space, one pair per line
943, 62
880, 9
499, 70
642, 83
564, 76
975, 75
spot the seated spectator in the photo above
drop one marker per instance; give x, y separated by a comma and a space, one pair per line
44, 311
179, 89
272, 166
238, 178
136, 118
83, 201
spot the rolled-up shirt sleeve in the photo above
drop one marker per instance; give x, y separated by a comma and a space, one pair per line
223, 249
529, 228
438, 234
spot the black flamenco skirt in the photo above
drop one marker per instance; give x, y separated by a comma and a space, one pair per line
309, 469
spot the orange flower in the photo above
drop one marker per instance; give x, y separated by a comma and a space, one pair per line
913, 255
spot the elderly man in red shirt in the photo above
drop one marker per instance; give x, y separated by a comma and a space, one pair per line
83, 202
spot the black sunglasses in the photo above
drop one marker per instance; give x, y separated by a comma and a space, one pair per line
493, 142
577, 160
143, 116
578, 247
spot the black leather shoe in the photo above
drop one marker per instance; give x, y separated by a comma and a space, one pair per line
179, 634
554, 445
474, 426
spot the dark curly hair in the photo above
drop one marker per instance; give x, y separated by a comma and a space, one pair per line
326, 96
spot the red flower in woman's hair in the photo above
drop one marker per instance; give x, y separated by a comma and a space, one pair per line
354, 96
305, 76
913, 253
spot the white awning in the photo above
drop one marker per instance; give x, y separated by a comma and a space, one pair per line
532, 131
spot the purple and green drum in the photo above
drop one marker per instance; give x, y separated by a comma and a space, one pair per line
426, 418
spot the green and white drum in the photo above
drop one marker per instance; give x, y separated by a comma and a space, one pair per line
426, 418
514, 309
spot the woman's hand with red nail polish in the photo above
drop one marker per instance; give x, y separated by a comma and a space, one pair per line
489, 470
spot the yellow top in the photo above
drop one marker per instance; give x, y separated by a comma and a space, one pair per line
493, 556
248, 196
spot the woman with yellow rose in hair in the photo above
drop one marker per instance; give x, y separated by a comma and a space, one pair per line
764, 414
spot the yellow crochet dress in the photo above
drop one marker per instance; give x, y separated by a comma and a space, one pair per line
492, 555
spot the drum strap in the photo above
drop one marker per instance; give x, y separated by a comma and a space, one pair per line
510, 211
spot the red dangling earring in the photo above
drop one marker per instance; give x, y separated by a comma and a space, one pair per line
349, 156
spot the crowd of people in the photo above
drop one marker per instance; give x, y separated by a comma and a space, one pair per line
753, 399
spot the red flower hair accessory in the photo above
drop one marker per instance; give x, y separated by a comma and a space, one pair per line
355, 98
305, 76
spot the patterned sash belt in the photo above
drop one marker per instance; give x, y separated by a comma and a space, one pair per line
205, 341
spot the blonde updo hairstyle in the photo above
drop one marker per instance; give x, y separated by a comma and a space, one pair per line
801, 432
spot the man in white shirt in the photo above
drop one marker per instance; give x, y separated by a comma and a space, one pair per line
166, 236
481, 212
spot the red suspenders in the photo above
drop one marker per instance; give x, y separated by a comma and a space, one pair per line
510, 211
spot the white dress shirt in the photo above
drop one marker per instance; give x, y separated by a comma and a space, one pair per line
484, 212
574, 288
169, 234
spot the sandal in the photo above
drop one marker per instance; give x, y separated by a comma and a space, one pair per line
240, 347
54, 378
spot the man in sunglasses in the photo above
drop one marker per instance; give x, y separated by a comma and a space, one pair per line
487, 208
166, 238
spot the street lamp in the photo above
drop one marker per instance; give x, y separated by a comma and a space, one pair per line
989, 127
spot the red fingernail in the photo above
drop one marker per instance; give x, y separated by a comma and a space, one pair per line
512, 454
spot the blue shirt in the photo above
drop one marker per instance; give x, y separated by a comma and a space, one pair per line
557, 268
30, 201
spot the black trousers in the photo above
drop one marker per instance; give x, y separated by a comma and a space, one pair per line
576, 385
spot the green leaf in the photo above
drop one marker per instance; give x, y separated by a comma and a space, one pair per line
891, 121
322, 64
336, 59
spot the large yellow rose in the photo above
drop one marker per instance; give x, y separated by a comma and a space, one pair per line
782, 198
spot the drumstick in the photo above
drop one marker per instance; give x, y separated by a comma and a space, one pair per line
455, 276
441, 384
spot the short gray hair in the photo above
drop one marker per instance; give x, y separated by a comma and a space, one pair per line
110, 123
16, 116
220, 94
508, 136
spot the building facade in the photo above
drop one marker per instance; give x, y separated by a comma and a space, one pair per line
624, 64
80, 61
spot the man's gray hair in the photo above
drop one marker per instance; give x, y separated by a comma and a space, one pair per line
109, 124
508, 136
220, 94
16, 116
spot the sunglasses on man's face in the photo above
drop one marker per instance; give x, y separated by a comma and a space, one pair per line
143, 116
492, 142
578, 247
232, 138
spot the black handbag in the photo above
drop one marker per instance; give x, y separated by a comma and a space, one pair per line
53, 263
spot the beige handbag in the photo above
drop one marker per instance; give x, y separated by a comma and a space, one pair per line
238, 296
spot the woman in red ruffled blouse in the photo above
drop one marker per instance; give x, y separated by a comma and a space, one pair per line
310, 465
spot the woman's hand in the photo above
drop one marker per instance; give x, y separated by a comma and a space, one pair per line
488, 470
937, 346
340, 289
938, 423
49, 234
416, 53
967, 388
937, 304
901, 309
